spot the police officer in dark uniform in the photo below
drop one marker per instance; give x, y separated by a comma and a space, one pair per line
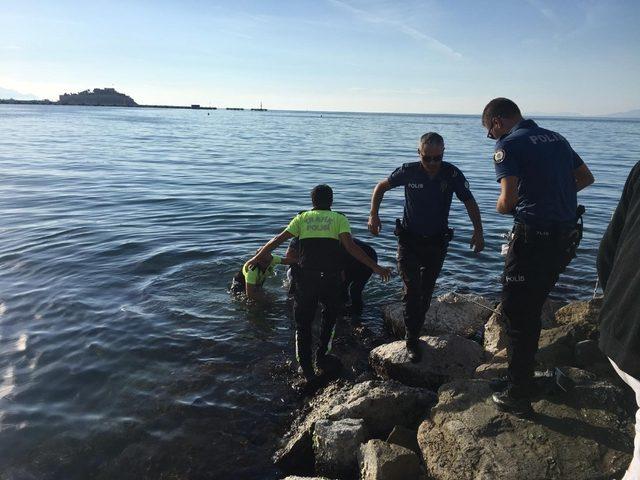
424, 234
355, 274
321, 231
539, 175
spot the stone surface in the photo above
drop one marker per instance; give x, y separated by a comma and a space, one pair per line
295, 477
495, 369
443, 357
450, 313
335, 446
381, 404
385, 461
586, 312
584, 434
405, 437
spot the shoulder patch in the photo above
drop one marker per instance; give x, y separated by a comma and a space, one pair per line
499, 155
466, 184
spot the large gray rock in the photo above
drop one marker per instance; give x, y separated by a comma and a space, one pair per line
584, 312
443, 358
385, 461
336, 444
461, 314
380, 404
405, 437
584, 434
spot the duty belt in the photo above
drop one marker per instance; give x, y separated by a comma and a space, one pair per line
402, 232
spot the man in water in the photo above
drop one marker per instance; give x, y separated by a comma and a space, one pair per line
320, 231
539, 175
355, 274
620, 313
424, 234
249, 280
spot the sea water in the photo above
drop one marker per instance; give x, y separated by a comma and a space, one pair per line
122, 354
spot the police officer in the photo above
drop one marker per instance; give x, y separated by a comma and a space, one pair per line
424, 234
321, 231
539, 175
355, 274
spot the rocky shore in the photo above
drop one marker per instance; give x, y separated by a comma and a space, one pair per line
436, 420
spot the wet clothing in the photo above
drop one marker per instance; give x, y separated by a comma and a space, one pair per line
317, 279
356, 275
544, 237
419, 263
427, 200
620, 278
253, 276
544, 163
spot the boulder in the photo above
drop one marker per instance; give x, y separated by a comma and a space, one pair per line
461, 314
549, 309
495, 369
380, 404
585, 312
335, 446
583, 434
443, 358
405, 437
385, 461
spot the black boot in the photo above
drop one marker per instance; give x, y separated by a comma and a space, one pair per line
509, 400
413, 350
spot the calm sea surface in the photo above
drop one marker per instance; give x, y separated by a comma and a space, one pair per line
121, 353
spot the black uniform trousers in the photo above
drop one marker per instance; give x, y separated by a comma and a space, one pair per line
420, 260
313, 287
356, 276
533, 264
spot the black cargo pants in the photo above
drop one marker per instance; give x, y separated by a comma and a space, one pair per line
420, 260
532, 267
313, 287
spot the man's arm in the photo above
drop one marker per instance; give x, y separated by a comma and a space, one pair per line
583, 177
374, 225
270, 246
477, 239
354, 250
508, 198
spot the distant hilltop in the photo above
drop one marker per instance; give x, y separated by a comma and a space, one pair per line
98, 97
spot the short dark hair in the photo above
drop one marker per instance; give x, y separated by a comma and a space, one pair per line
431, 138
499, 108
322, 196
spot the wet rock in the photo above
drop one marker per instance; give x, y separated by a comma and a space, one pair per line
584, 434
405, 437
385, 461
443, 357
460, 314
335, 446
380, 404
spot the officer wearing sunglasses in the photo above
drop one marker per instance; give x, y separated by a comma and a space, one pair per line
424, 233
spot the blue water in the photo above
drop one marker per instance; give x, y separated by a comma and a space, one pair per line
121, 353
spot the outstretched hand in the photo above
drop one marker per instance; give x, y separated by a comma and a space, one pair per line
374, 224
384, 272
477, 242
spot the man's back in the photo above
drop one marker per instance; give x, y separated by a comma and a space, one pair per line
545, 163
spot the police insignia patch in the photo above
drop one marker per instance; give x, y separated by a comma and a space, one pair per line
466, 184
499, 155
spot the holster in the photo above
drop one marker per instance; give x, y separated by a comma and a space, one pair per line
403, 234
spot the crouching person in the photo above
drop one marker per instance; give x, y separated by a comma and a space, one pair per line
320, 231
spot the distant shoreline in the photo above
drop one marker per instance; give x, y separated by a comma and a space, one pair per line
48, 102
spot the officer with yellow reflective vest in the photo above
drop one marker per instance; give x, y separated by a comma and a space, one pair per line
539, 175
320, 231
249, 280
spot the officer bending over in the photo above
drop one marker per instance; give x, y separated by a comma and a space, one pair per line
539, 175
321, 231
249, 280
355, 274
424, 233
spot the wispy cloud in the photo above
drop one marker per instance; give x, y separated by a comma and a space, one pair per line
370, 17
546, 12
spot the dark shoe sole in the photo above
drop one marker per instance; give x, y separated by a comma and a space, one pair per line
524, 410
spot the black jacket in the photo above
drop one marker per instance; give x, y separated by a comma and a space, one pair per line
619, 272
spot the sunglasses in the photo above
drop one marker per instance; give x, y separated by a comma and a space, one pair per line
489, 134
433, 159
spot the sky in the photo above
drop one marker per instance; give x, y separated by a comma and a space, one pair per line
427, 56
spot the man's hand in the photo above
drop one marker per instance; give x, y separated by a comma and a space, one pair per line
477, 241
385, 273
374, 224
